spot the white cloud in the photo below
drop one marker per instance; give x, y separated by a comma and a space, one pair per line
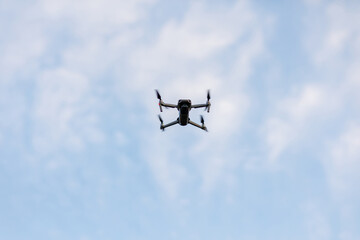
12, 111
90, 18
185, 52
192, 42
333, 50
336, 40
317, 224
64, 112
183, 62
343, 166
313, 2
291, 117
78, 41
21, 48
203, 31
165, 163
87, 33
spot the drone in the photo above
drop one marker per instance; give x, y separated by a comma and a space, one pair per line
184, 106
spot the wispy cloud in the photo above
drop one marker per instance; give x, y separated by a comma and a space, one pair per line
343, 164
80, 139
292, 116
185, 60
64, 114
337, 49
317, 223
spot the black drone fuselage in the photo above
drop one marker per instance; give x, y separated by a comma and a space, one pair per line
184, 106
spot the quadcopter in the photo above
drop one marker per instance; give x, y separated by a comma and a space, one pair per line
184, 106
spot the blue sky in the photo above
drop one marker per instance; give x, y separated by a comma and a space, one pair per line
81, 153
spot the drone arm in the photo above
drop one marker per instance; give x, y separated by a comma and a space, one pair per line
198, 125
206, 105
161, 103
169, 124
168, 105
199, 105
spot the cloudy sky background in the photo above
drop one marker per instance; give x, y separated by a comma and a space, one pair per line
81, 153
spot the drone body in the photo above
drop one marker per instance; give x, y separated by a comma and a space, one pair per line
184, 106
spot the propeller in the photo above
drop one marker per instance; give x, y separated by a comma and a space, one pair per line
208, 102
161, 121
159, 97
202, 122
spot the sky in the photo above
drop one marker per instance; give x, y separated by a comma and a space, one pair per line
81, 153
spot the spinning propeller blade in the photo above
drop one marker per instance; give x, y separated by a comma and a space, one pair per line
159, 97
208, 102
158, 94
202, 122
160, 119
